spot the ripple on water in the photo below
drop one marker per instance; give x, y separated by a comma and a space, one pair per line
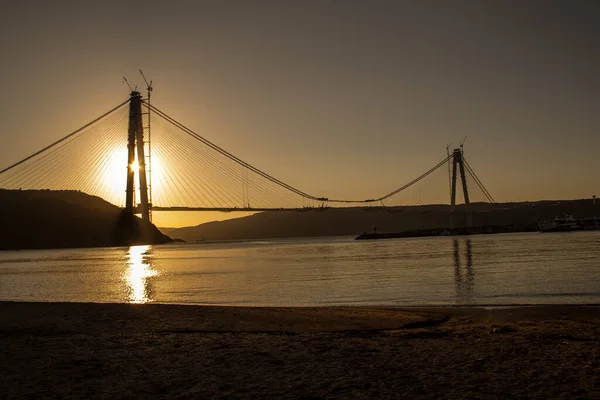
483, 270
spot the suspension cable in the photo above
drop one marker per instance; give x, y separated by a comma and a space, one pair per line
478, 182
65, 138
275, 180
414, 180
231, 156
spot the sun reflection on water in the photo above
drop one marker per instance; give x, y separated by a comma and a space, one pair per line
138, 274
464, 277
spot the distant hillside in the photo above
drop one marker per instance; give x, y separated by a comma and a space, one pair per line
353, 221
34, 219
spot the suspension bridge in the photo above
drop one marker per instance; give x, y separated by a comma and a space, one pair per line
138, 157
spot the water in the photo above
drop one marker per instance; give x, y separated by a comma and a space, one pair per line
532, 268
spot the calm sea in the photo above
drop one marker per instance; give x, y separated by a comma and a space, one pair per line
532, 268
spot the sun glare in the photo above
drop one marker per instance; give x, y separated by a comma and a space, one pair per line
135, 167
138, 274
114, 177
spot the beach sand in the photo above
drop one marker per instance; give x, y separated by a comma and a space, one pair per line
74, 350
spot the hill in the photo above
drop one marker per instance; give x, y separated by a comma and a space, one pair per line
353, 221
35, 219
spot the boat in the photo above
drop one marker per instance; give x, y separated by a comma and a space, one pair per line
590, 223
561, 223
478, 230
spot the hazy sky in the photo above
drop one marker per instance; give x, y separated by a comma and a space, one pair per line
340, 98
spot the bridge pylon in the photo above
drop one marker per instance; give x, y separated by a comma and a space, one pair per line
135, 153
457, 160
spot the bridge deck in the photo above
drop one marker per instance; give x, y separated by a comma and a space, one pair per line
241, 209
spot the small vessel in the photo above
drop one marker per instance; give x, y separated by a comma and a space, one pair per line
591, 223
564, 222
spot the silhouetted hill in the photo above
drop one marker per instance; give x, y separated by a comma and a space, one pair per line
34, 219
353, 221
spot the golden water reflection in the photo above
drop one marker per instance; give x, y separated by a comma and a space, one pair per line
138, 276
464, 277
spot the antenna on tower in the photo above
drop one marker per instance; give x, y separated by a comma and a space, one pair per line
448, 148
462, 144
149, 142
127, 82
148, 85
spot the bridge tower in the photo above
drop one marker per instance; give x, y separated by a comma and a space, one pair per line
135, 147
457, 160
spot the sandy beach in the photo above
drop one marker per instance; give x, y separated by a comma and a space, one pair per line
75, 350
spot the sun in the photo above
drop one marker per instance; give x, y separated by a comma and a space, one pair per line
135, 167
113, 176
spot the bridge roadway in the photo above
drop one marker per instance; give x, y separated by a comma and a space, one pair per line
246, 209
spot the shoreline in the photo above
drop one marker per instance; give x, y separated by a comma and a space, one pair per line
100, 350
303, 318
316, 306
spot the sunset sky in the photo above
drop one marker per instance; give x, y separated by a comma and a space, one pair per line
339, 98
